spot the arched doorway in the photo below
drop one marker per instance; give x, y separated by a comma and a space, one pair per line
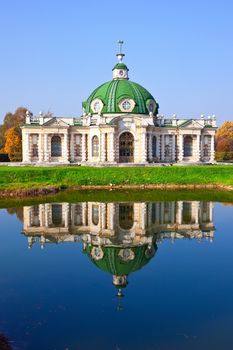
126, 148
126, 216
188, 146
56, 146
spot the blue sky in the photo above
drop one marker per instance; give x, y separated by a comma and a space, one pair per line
54, 53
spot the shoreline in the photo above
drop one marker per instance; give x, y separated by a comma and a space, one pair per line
36, 192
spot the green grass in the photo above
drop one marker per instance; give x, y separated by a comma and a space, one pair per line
67, 177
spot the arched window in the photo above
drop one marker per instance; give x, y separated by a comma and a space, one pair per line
205, 151
126, 216
188, 146
167, 151
56, 146
57, 214
95, 214
154, 147
95, 146
34, 145
78, 145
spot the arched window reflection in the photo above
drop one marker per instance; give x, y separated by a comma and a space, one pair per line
187, 213
56, 146
35, 217
205, 212
95, 146
126, 216
95, 214
57, 214
167, 213
78, 215
188, 146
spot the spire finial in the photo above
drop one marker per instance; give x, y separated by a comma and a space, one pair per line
120, 55
120, 43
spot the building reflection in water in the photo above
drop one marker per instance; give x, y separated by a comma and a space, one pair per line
119, 238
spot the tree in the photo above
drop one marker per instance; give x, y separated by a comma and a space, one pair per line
12, 120
13, 144
224, 142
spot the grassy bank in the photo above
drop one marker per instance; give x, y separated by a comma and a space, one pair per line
12, 178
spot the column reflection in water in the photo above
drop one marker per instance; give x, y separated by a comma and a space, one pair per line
119, 238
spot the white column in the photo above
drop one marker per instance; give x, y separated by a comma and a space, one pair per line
46, 151
143, 216
66, 208
172, 212
179, 213
173, 147
66, 149
83, 148
26, 148
162, 147
41, 214
211, 209
195, 211
112, 148
198, 150
72, 147
40, 148
102, 150
181, 148
47, 207
112, 215
212, 151
143, 147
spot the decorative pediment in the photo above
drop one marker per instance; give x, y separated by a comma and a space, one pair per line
129, 121
193, 124
56, 122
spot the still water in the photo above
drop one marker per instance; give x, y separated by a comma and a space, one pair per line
129, 275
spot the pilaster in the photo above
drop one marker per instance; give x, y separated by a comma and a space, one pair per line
46, 151
72, 147
40, 148
143, 147
198, 149
83, 148
162, 147
66, 149
112, 148
212, 151
173, 147
158, 147
181, 148
150, 147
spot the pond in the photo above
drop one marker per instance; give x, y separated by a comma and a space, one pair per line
88, 274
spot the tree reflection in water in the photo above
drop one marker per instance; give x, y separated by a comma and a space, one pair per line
5, 343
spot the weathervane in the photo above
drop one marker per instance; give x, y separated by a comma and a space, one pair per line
120, 55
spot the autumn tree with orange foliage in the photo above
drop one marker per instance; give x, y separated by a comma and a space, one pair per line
10, 132
13, 144
224, 142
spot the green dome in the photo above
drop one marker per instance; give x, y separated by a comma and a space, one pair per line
113, 263
114, 92
120, 65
